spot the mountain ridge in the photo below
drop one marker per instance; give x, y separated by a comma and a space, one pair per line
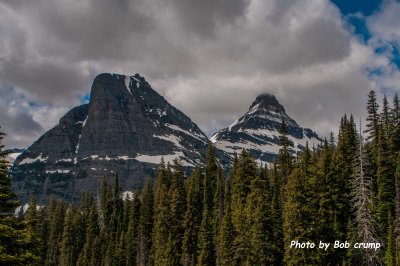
126, 128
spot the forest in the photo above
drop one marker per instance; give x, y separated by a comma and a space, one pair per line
345, 189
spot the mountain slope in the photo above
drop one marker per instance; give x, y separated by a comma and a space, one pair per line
126, 128
258, 131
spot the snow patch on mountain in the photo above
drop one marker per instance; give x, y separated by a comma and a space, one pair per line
128, 83
40, 158
156, 159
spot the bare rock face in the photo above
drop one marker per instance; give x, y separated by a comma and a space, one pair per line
126, 129
258, 131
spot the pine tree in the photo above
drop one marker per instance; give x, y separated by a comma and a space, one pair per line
92, 232
293, 218
33, 230
43, 232
284, 159
80, 224
192, 218
132, 238
11, 251
371, 147
241, 187
17, 240
343, 159
397, 218
106, 202
177, 208
68, 256
162, 215
206, 245
386, 184
395, 126
218, 202
362, 204
390, 256
261, 230
386, 116
372, 126
276, 195
300, 211
146, 224
226, 237
210, 179
56, 220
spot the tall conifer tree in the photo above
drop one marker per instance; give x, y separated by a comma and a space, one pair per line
146, 224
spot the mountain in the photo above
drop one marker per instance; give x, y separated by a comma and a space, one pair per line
126, 128
258, 131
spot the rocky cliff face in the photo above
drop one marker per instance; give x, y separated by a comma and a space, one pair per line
258, 131
126, 128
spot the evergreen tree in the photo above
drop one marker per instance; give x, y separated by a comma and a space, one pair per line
397, 218
162, 215
386, 116
241, 187
212, 201
226, 238
206, 245
32, 230
343, 160
372, 125
218, 202
146, 224
390, 256
177, 209
12, 250
362, 204
276, 195
259, 217
293, 218
395, 126
284, 160
92, 232
386, 184
132, 238
192, 218
68, 256
300, 211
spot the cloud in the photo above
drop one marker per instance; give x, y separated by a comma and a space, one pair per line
208, 58
23, 121
384, 25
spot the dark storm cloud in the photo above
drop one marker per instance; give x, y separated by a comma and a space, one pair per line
202, 17
209, 58
16, 120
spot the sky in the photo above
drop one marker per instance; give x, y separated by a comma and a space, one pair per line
209, 58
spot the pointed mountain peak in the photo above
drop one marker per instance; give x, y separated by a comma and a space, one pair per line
114, 77
268, 102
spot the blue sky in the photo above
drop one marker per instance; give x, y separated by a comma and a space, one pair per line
366, 7
356, 13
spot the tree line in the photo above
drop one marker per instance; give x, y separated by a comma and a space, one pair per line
345, 189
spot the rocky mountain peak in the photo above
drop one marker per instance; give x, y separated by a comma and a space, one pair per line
258, 131
126, 128
268, 102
